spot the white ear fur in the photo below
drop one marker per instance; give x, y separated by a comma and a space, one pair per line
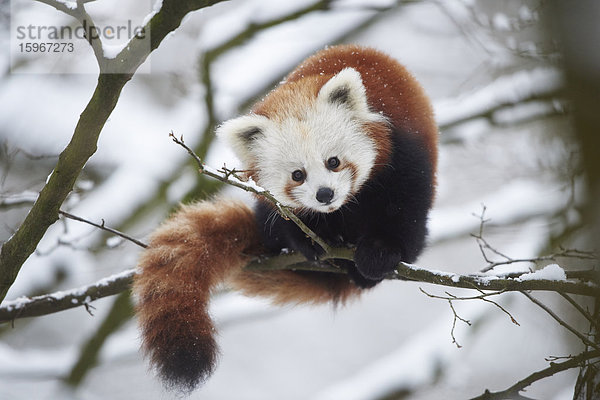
346, 89
241, 132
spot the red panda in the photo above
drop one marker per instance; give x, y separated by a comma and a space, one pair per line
348, 140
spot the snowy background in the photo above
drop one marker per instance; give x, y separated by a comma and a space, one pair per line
492, 75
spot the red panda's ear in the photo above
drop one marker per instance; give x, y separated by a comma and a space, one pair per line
346, 89
241, 133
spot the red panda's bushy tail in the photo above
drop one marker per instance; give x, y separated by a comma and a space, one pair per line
199, 247
188, 255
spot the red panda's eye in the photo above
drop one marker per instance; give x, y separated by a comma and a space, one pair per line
298, 175
333, 163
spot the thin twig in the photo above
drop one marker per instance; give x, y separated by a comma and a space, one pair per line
574, 331
582, 311
504, 310
104, 228
513, 391
456, 317
485, 245
483, 296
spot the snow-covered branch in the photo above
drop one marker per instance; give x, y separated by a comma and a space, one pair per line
552, 278
64, 300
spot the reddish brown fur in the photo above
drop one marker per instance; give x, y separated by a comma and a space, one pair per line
353, 170
199, 247
380, 133
193, 251
289, 287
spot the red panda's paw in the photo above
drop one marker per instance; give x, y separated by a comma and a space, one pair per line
309, 249
374, 259
356, 277
360, 281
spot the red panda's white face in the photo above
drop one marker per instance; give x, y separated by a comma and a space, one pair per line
316, 157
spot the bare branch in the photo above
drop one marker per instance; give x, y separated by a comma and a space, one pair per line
483, 296
582, 311
103, 227
574, 331
450, 299
513, 391
485, 245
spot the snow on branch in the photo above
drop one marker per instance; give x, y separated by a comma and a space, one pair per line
552, 278
64, 300
60, 301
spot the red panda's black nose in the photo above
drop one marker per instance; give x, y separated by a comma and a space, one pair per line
324, 195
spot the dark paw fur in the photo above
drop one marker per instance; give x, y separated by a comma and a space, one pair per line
374, 260
355, 276
312, 251
360, 281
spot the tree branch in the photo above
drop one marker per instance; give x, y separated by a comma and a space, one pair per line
85, 137
64, 300
582, 311
574, 331
59, 301
103, 227
480, 282
513, 391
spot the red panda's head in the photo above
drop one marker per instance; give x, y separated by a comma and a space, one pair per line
312, 143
